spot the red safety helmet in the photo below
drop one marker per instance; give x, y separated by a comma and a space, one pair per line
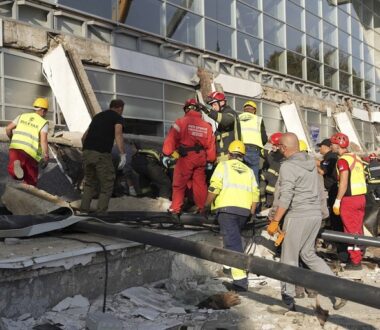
215, 97
372, 156
340, 139
190, 104
275, 138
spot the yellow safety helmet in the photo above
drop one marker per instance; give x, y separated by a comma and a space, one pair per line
250, 104
236, 146
41, 103
302, 145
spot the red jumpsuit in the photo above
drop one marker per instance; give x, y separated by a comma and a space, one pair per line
190, 131
352, 211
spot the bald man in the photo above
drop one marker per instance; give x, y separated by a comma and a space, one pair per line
299, 202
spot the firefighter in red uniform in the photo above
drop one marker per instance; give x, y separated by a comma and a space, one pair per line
193, 138
350, 200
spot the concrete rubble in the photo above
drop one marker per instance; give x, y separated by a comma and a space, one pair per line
171, 304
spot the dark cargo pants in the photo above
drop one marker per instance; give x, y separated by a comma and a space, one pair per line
99, 175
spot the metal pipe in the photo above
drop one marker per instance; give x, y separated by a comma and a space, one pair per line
324, 284
335, 236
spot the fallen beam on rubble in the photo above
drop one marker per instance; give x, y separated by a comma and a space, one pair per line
335, 236
324, 284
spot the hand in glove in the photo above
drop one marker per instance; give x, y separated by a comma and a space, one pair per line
44, 163
209, 166
336, 207
272, 227
166, 161
122, 162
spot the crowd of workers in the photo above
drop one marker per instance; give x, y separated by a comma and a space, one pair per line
290, 181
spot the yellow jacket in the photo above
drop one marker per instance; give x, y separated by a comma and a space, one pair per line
251, 128
357, 184
26, 135
235, 186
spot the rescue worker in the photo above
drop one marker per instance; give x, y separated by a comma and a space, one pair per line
228, 128
270, 170
194, 140
233, 194
350, 200
373, 170
29, 143
253, 135
146, 162
299, 204
105, 128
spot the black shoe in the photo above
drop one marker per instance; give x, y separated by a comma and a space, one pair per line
352, 266
289, 302
233, 287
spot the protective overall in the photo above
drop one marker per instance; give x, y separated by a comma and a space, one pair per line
194, 140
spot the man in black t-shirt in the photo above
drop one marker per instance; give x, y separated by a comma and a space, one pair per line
99, 172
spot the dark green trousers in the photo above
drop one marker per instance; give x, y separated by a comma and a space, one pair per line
99, 176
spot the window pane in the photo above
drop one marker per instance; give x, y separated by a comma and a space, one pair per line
101, 8
369, 72
344, 41
173, 111
367, 17
273, 57
274, 8
182, 25
271, 111
104, 99
329, 33
343, 20
33, 15
294, 64
144, 127
141, 108
313, 73
148, 20
254, 3
294, 15
312, 24
368, 54
357, 67
219, 10
138, 86
344, 61
312, 47
69, 25
329, 11
357, 86
312, 6
248, 48
330, 77
369, 90
24, 68
6, 9
273, 125
313, 117
356, 29
356, 48
294, 39
330, 55
218, 38
247, 19
178, 94
194, 5
344, 82
273, 31
23, 93
101, 81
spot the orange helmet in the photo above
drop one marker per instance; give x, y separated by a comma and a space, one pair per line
215, 97
340, 139
275, 138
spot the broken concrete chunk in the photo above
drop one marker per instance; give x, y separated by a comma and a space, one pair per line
176, 310
76, 301
148, 313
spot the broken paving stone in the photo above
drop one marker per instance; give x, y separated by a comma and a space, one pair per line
176, 310
24, 317
148, 313
12, 241
268, 326
71, 302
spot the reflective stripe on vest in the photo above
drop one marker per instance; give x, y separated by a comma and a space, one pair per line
251, 128
26, 135
357, 178
237, 189
149, 152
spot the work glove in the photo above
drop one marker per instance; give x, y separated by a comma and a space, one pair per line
44, 163
122, 162
166, 161
209, 166
272, 227
336, 207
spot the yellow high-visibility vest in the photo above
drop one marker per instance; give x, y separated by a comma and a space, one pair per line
251, 128
26, 135
235, 186
357, 178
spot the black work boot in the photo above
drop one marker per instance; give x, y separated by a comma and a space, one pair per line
289, 302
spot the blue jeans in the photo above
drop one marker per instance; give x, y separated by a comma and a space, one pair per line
252, 159
230, 227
